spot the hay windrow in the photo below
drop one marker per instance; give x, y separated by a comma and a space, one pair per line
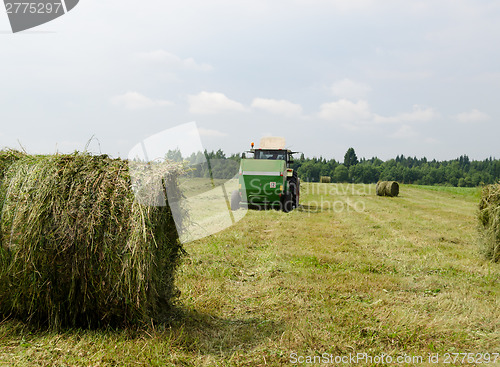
489, 222
77, 249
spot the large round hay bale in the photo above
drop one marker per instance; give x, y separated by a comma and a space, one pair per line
489, 219
324, 179
387, 188
77, 249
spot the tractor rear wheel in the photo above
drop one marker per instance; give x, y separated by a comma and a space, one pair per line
235, 200
294, 184
287, 202
296, 197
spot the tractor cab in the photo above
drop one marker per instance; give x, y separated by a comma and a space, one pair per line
272, 148
270, 154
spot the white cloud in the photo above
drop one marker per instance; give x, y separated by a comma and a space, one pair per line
346, 111
212, 102
278, 107
211, 133
357, 116
349, 89
174, 61
135, 101
419, 114
473, 116
405, 131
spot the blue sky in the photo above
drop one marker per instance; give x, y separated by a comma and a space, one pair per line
419, 78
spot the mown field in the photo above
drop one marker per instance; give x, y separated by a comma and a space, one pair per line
347, 273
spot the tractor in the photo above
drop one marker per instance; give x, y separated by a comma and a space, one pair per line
266, 179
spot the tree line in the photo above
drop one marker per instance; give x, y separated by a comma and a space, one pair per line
461, 172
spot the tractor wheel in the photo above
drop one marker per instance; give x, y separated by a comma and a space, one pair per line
287, 202
297, 194
235, 200
294, 183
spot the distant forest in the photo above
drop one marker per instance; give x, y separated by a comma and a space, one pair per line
461, 172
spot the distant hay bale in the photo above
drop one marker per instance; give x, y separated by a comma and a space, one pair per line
324, 179
77, 249
489, 219
387, 188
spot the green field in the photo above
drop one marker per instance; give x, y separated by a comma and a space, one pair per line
347, 273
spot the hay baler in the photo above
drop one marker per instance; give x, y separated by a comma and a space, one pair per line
267, 179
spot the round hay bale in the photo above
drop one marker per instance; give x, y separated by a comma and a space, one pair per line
392, 188
387, 188
380, 188
78, 250
489, 220
324, 179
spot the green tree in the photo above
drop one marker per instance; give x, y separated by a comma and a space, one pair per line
309, 171
341, 174
350, 158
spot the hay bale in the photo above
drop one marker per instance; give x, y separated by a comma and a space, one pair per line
324, 179
387, 188
489, 219
77, 249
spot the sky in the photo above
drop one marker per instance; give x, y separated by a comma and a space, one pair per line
386, 77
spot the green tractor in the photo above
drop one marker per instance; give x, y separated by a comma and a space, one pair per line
267, 179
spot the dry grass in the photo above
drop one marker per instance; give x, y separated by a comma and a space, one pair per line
349, 272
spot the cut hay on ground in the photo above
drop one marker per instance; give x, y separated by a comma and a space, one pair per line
76, 248
324, 179
387, 188
489, 219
